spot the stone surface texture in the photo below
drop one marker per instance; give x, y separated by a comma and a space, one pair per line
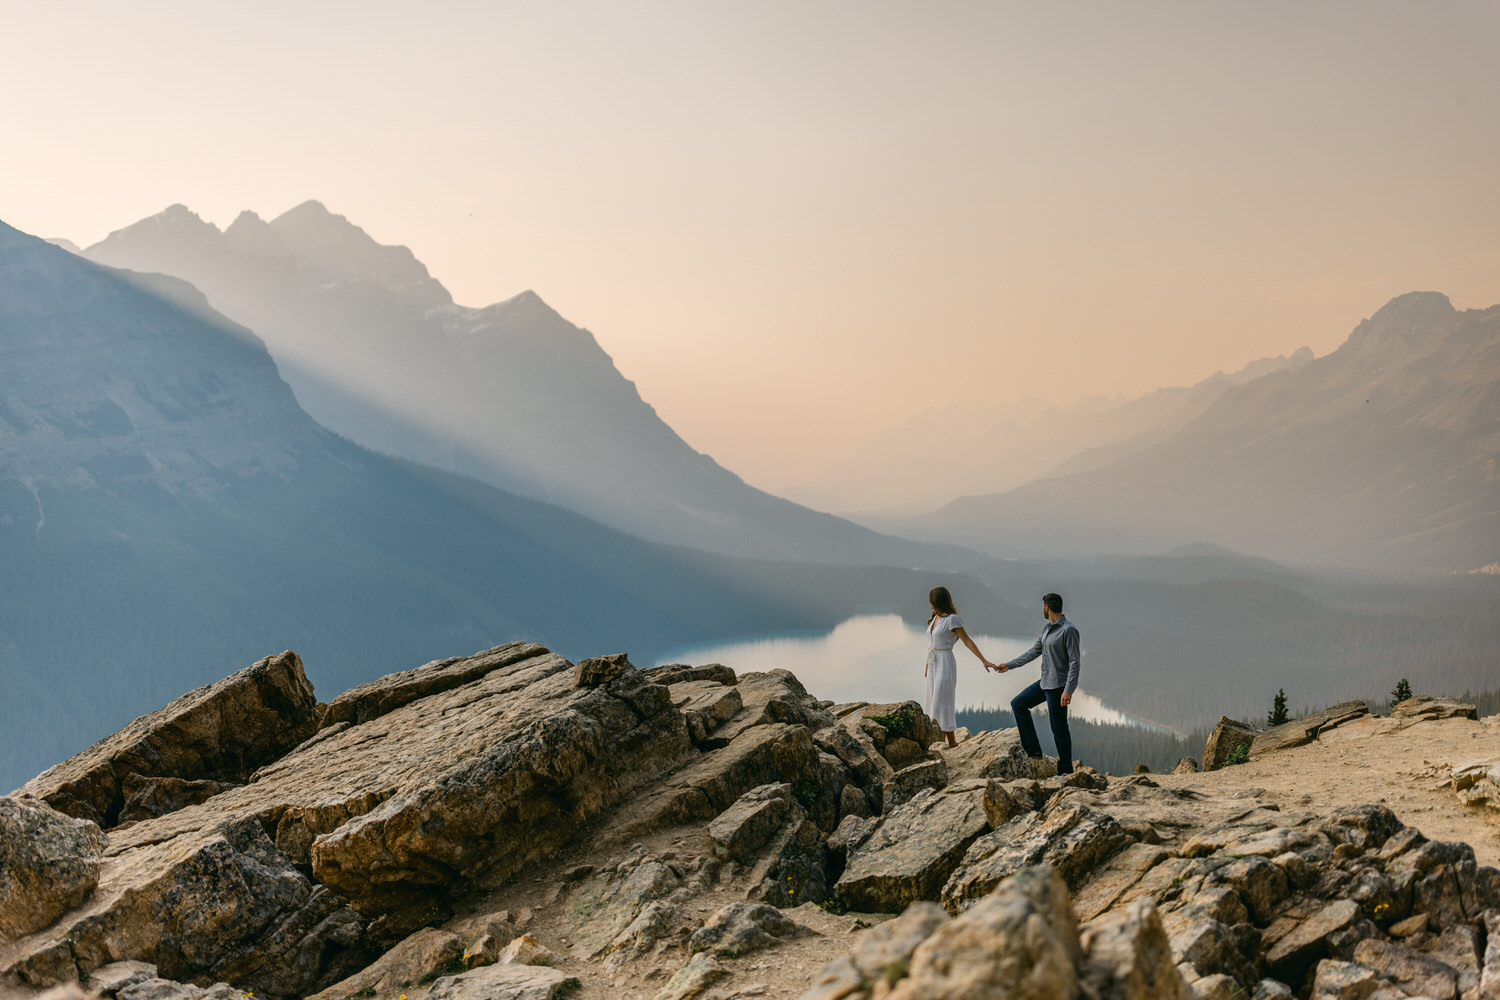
49, 863
220, 732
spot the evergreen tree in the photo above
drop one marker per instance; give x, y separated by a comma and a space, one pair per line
1277, 714
1402, 692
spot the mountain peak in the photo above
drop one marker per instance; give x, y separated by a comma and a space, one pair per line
250, 233
1415, 314
332, 244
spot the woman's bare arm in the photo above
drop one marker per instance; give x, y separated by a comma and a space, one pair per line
964, 635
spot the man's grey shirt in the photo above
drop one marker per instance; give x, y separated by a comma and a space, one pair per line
1058, 648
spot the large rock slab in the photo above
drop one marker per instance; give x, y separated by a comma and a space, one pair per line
1071, 838
706, 705
502, 982
760, 755
416, 959
219, 904
1300, 732
913, 850
1228, 737
772, 697
754, 819
1020, 942
49, 863
1424, 708
994, 754
386, 694
1127, 957
881, 955
220, 732
741, 928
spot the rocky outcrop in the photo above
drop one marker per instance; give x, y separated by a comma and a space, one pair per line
1128, 957
386, 694
1229, 739
1477, 783
419, 958
706, 705
1425, 707
771, 697
1302, 731
1073, 839
913, 850
740, 831
49, 864
881, 955
1022, 941
221, 732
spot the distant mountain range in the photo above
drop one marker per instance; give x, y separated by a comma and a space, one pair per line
992, 448
169, 513
511, 394
1383, 453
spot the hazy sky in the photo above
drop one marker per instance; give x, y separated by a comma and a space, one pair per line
791, 223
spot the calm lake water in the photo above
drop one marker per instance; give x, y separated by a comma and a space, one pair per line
879, 658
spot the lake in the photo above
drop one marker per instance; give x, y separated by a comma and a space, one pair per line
879, 658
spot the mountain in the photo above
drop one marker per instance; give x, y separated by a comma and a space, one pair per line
997, 448
511, 394
1381, 454
167, 509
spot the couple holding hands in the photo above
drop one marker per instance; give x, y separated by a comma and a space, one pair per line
1058, 648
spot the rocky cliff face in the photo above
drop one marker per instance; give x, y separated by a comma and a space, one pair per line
514, 825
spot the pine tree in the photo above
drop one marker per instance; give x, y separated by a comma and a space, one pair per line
1402, 692
1277, 714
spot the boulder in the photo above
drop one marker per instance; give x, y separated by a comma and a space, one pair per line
902, 786
774, 697
1004, 802
1186, 765
418, 958
759, 755
754, 819
167, 989
1415, 973
116, 976
1302, 731
597, 671
1228, 737
1271, 989
220, 732
1021, 942
1073, 839
881, 955
913, 850
49, 863
741, 928
221, 903
1110, 883
1424, 707
1307, 941
706, 705
607, 905
701, 972
904, 720
502, 982
1489, 976
1126, 956
386, 694
993, 754
678, 673
526, 950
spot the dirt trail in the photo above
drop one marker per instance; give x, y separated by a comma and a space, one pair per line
1373, 761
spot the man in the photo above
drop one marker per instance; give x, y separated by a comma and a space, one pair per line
1058, 648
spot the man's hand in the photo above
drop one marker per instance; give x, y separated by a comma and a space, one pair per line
1067, 696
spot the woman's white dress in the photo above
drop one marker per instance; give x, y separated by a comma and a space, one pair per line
942, 670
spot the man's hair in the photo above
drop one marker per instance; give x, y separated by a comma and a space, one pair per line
1053, 602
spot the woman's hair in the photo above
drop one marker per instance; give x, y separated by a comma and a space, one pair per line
942, 603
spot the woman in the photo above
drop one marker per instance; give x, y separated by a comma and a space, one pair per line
943, 627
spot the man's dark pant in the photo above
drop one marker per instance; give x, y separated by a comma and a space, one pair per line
1057, 714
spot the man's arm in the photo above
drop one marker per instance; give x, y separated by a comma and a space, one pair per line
1026, 657
1070, 642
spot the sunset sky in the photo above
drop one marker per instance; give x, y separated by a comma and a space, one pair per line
793, 223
